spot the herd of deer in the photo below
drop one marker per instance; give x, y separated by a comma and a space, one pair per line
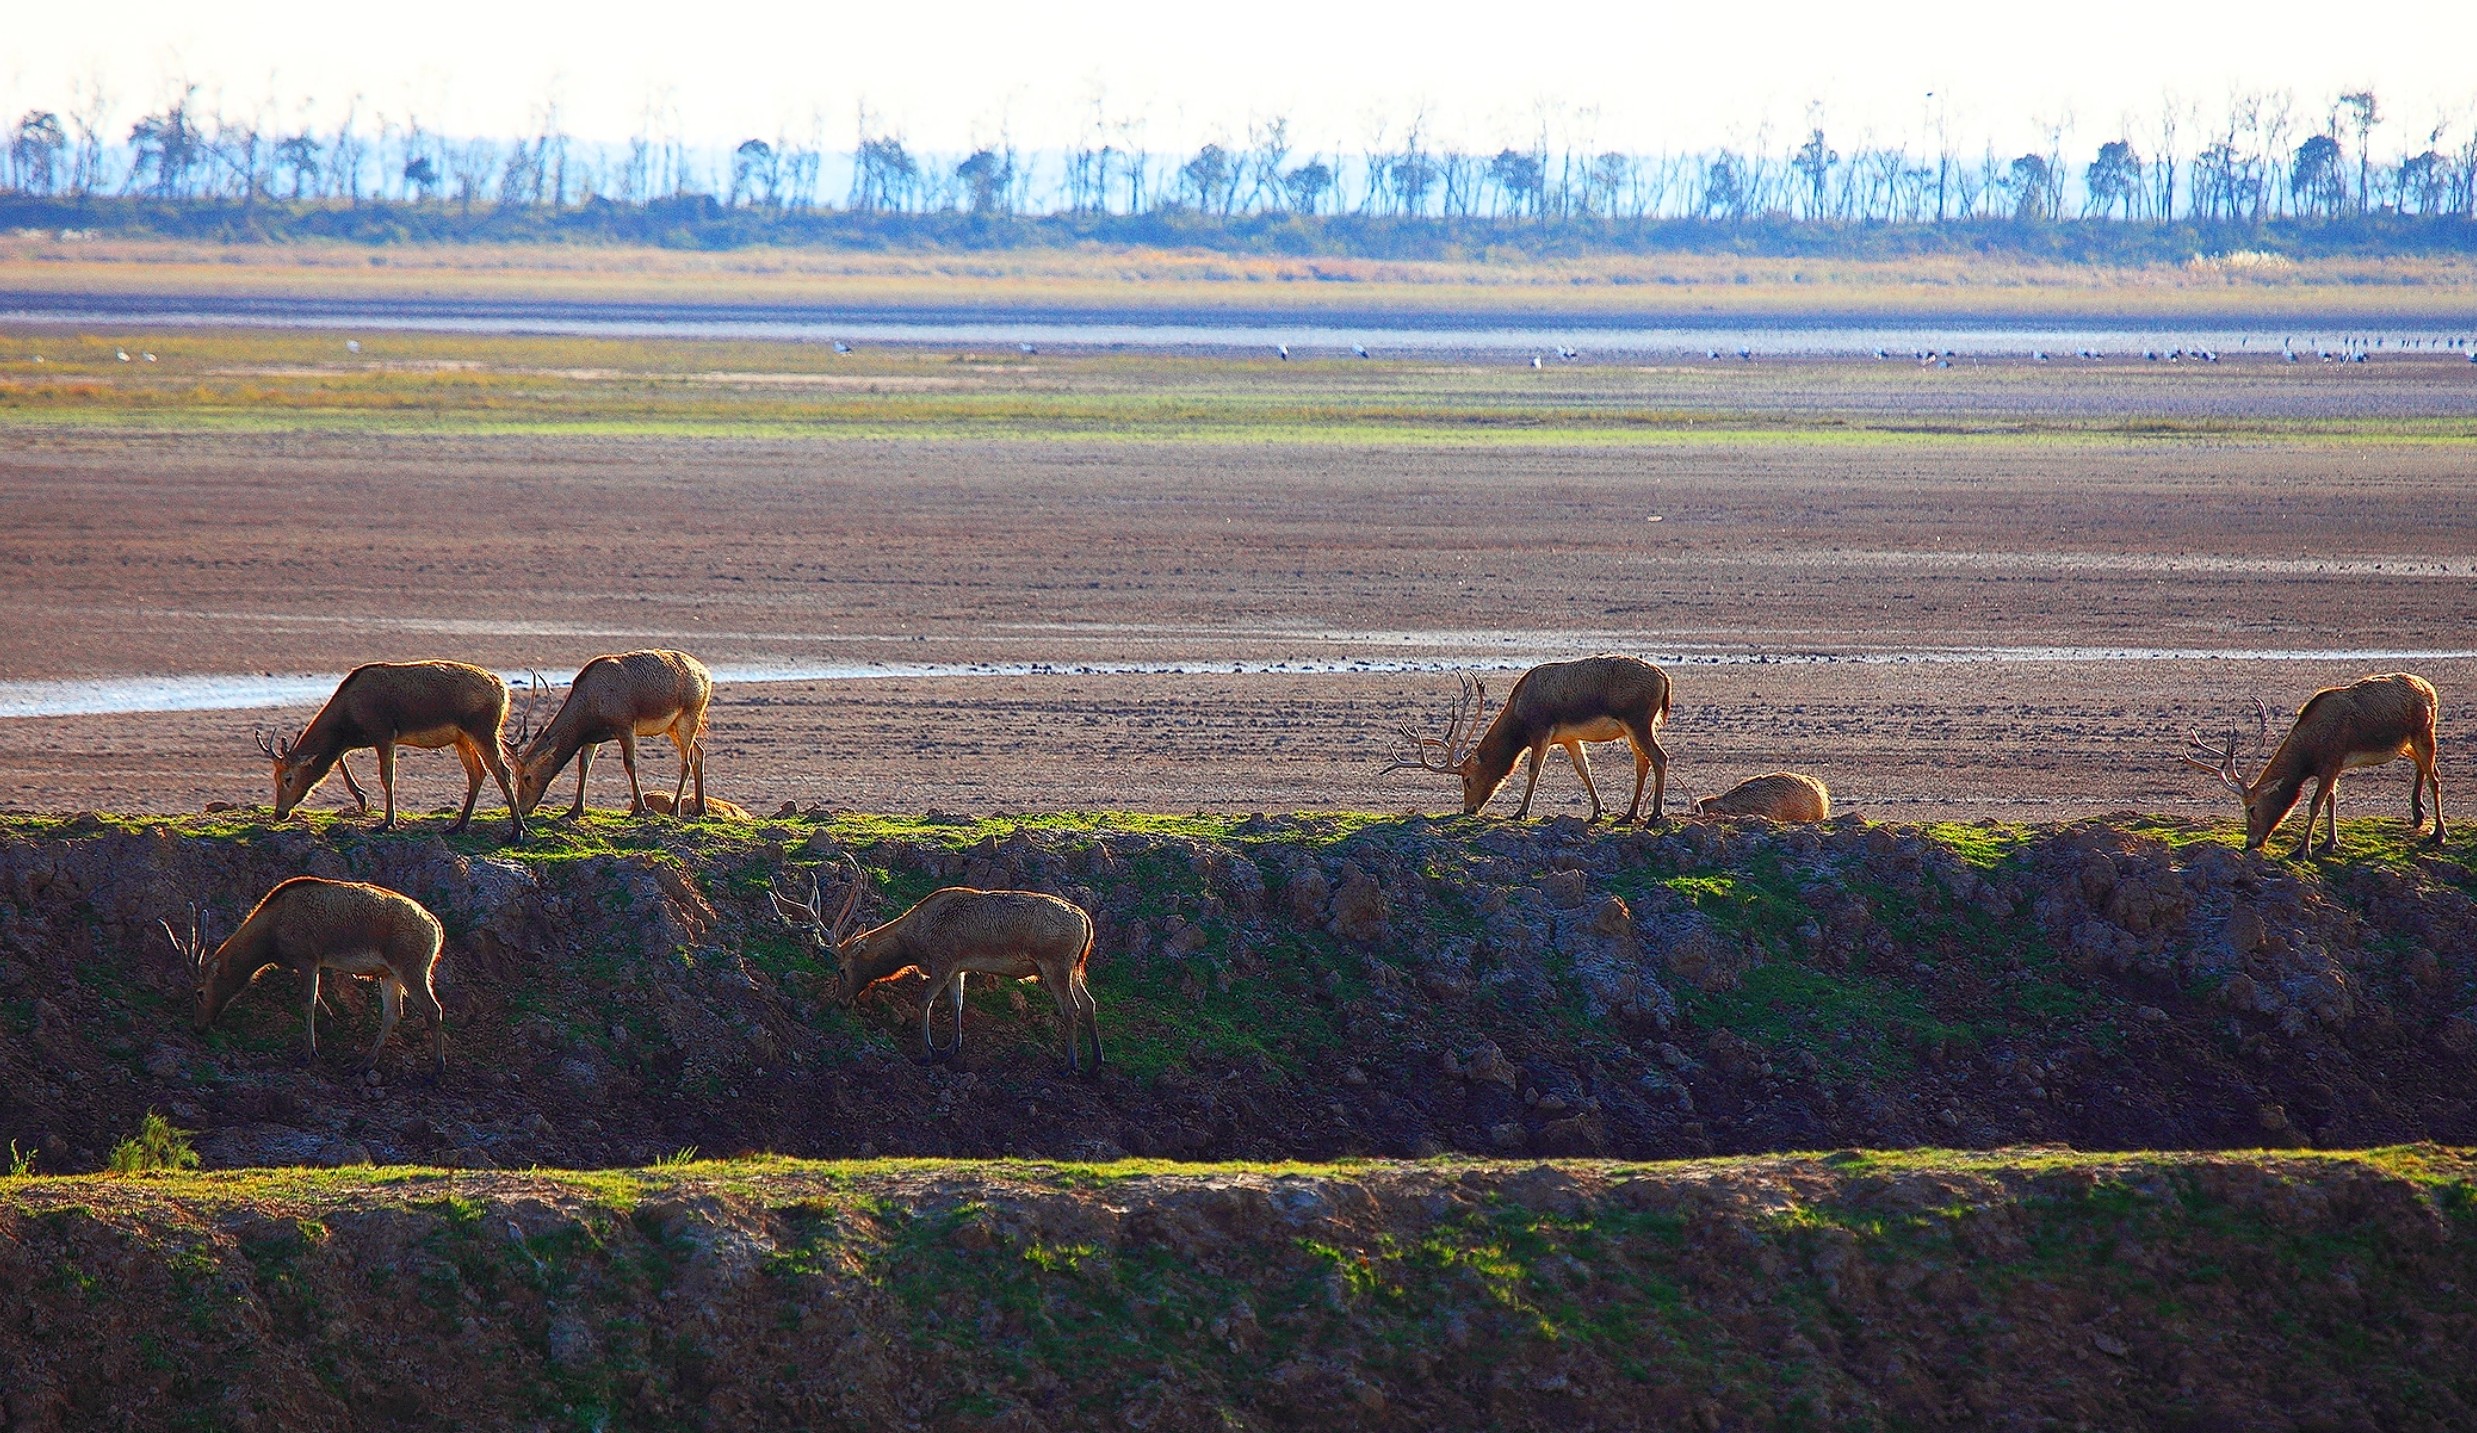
309, 925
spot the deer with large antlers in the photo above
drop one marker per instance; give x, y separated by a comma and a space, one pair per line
2369, 722
308, 926
1603, 698
653, 692
952, 933
386, 705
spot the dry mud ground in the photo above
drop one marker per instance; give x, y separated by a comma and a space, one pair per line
202, 553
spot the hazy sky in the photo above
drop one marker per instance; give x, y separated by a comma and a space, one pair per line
1646, 75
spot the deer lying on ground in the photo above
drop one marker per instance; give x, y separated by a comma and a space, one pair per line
1775, 795
385, 705
309, 925
954, 932
654, 692
1563, 704
716, 808
2369, 722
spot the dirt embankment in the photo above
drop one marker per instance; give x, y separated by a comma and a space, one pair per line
1306, 987
1848, 1291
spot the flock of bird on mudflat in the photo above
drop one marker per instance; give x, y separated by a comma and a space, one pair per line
310, 925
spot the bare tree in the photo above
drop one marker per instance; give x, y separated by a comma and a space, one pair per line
885, 176
2363, 114
38, 154
166, 146
1813, 162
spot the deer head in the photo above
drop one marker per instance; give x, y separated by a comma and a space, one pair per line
2220, 761
292, 770
1451, 754
194, 950
826, 936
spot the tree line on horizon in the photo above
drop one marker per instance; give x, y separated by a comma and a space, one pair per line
2263, 161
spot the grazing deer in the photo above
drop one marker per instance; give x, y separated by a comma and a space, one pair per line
1562, 704
1775, 795
654, 692
386, 705
2369, 722
309, 925
952, 933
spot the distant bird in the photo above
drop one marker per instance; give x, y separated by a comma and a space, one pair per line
38, 358
1535, 361
1568, 353
1745, 353
2288, 354
841, 347
122, 354
2038, 355
1028, 348
1360, 349
1883, 353
352, 345
1284, 350
147, 356
1715, 353
2151, 354
2471, 358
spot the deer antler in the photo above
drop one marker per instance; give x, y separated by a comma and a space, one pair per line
2222, 763
843, 918
192, 950
1445, 754
533, 699
273, 746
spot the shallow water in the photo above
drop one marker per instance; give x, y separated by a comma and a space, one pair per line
1189, 329
245, 691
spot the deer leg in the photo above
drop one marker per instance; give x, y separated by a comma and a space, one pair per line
687, 759
2434, 777
1659, 773
1538, 753
584, 763
387, 782
469, 752
425, 1002
697, 745
961, 978
344, 768
1642, 772
627, 758
496, 761
2313, 810
1061, 987
1582, 768
309, 1020
928, 1013
2330, 812
390, 1010
1090, 1011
